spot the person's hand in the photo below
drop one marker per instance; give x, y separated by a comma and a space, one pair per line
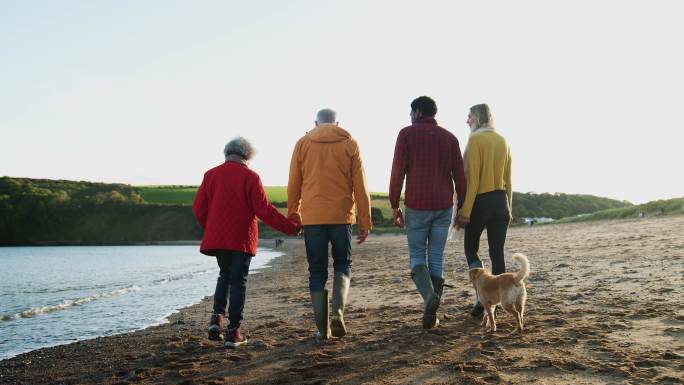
461, 222
298, 229
398, 218
363, 234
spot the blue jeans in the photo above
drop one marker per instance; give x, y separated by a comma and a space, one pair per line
316, 240
232, 277
426, 231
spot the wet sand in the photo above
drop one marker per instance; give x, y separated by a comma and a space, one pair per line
605, 306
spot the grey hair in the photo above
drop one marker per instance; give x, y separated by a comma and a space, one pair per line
239, 146
326, 116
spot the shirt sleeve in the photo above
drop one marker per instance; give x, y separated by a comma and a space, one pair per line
508, 180
472, 171
398, 171
200, 206
294, 187
266, 211
458, 174
361, 196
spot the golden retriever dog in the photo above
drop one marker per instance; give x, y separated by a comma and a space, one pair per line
507, 290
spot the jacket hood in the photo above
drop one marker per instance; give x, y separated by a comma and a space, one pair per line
328, 133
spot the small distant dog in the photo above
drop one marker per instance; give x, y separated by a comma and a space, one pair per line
507, 289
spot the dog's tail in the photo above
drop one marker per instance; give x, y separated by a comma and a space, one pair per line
524, 267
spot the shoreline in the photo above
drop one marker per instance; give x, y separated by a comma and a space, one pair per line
190, 242
600, 309
165, 319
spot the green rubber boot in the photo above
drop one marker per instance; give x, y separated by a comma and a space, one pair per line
339, 299
438, 285
319, 299
421, 277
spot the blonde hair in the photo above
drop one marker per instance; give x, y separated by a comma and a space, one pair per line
483, 115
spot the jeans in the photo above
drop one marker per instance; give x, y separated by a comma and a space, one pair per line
490, 211
316, 240
426, 232
232, 278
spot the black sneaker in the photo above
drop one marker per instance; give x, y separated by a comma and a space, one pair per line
477, 311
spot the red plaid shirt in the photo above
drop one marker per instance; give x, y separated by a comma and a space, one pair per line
430, 158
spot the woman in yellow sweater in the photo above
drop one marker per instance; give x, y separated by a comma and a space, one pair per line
488, 200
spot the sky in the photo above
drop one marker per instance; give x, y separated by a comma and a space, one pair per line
587, 93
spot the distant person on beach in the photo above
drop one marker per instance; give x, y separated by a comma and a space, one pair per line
227, 204
326, 182
429, 157
488, 202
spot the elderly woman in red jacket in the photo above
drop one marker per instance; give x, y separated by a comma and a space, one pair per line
227, 204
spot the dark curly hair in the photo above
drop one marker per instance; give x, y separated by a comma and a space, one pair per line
425, 105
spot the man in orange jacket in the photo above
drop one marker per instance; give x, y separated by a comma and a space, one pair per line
326, 182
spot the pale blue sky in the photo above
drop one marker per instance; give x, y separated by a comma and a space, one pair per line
148, 92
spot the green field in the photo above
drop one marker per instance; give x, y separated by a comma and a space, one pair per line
184, 195
168, 195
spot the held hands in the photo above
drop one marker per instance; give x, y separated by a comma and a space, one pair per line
398, 218
363, 234
461, 222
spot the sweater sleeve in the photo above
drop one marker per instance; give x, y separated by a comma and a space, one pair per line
398, 171
458, 174
294, 187
360, 189
508, 180
266, 211
472, 166
200, 206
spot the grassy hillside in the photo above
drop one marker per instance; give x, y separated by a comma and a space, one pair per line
653, 208
42, 211
560, 205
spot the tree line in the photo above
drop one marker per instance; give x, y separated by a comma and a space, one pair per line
44, 211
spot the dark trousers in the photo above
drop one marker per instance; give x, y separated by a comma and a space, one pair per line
316, 239
232, 281
490, 211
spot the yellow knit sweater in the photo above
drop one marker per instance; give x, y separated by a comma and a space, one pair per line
488, 167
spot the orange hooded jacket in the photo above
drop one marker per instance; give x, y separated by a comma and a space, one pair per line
327, 179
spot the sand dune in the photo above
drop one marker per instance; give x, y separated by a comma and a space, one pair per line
604, 306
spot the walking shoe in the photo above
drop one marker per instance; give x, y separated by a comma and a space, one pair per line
234, 338
215, 327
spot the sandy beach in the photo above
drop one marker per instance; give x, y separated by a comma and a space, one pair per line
605, 306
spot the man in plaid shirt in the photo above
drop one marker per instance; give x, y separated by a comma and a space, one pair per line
429, 157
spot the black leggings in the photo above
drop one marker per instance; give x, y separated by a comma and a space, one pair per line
490, 211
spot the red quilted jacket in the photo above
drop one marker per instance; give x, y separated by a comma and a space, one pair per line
227, 204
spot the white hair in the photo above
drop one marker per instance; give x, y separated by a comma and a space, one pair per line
239, 146
326, 116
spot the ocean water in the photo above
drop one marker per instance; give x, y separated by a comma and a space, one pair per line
56, 295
